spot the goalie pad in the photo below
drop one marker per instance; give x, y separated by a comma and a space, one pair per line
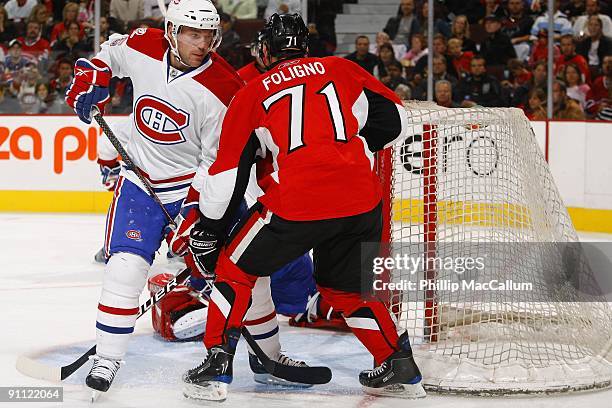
179, 316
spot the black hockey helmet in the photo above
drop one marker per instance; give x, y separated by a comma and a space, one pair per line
285, 36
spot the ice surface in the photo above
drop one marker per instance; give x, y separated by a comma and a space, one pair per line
48, 297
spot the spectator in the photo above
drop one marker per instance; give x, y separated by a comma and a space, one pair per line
8, 104
230, 41
72, 46
443, 94
497, 48
561, 27
15, 60
239, 9
7, 28
539, 51
439, 48
596, 46
59, 84
27, 89
417, 51
401, 27
127, 11
573, 8
460, 29
564, 107
478, 88
383, 38
318, 46
581, 28
519, 75
459, 59
70, 13
600, 95
362, 56
403, 92
517, 24
472, 9
576, 88
41, 15
85, 15
440, 26
47, 102
440, 73
538, 80
491, 8
394, 77
34, 47
152, 12
569, 56
535, 109
19, 10
282, 7
385, 58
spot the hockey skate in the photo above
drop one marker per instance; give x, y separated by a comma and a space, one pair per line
313, 318
101, 375
209, 380
397, 376
100, 256
261, 376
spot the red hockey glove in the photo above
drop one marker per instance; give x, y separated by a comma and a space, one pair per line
88, 88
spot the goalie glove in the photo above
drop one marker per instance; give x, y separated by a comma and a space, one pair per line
179, 315
110, 173
204, 246
89, 88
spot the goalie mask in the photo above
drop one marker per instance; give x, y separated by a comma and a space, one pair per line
284, 36
199, 14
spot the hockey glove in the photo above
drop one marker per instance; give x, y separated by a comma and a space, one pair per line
88, 88
204, 246
110, 173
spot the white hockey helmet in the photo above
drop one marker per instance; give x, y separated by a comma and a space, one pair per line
200, 14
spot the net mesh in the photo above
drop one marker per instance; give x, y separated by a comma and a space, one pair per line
473, 183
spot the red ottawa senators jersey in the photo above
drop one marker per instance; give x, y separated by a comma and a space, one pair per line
319, 120
249, 72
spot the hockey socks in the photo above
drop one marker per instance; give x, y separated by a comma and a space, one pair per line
370, 321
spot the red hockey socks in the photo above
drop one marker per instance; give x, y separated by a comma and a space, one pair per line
370, 321
229, 301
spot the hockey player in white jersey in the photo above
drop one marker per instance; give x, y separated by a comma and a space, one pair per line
181, 93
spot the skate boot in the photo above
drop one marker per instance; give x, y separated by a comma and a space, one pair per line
101, 375
209, 380
397, 376
100, 256
261, 376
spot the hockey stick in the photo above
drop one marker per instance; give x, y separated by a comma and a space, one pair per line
36, 369
130, 164
304, 374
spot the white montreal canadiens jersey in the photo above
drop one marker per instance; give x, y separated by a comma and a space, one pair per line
177, 120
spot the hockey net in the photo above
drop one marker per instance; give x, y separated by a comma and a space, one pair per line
470, 183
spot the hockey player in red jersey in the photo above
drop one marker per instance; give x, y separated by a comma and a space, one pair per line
256, 68
319, 121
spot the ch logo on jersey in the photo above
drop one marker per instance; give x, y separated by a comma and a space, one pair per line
159, 121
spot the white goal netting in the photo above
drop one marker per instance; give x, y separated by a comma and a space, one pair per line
473, 184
